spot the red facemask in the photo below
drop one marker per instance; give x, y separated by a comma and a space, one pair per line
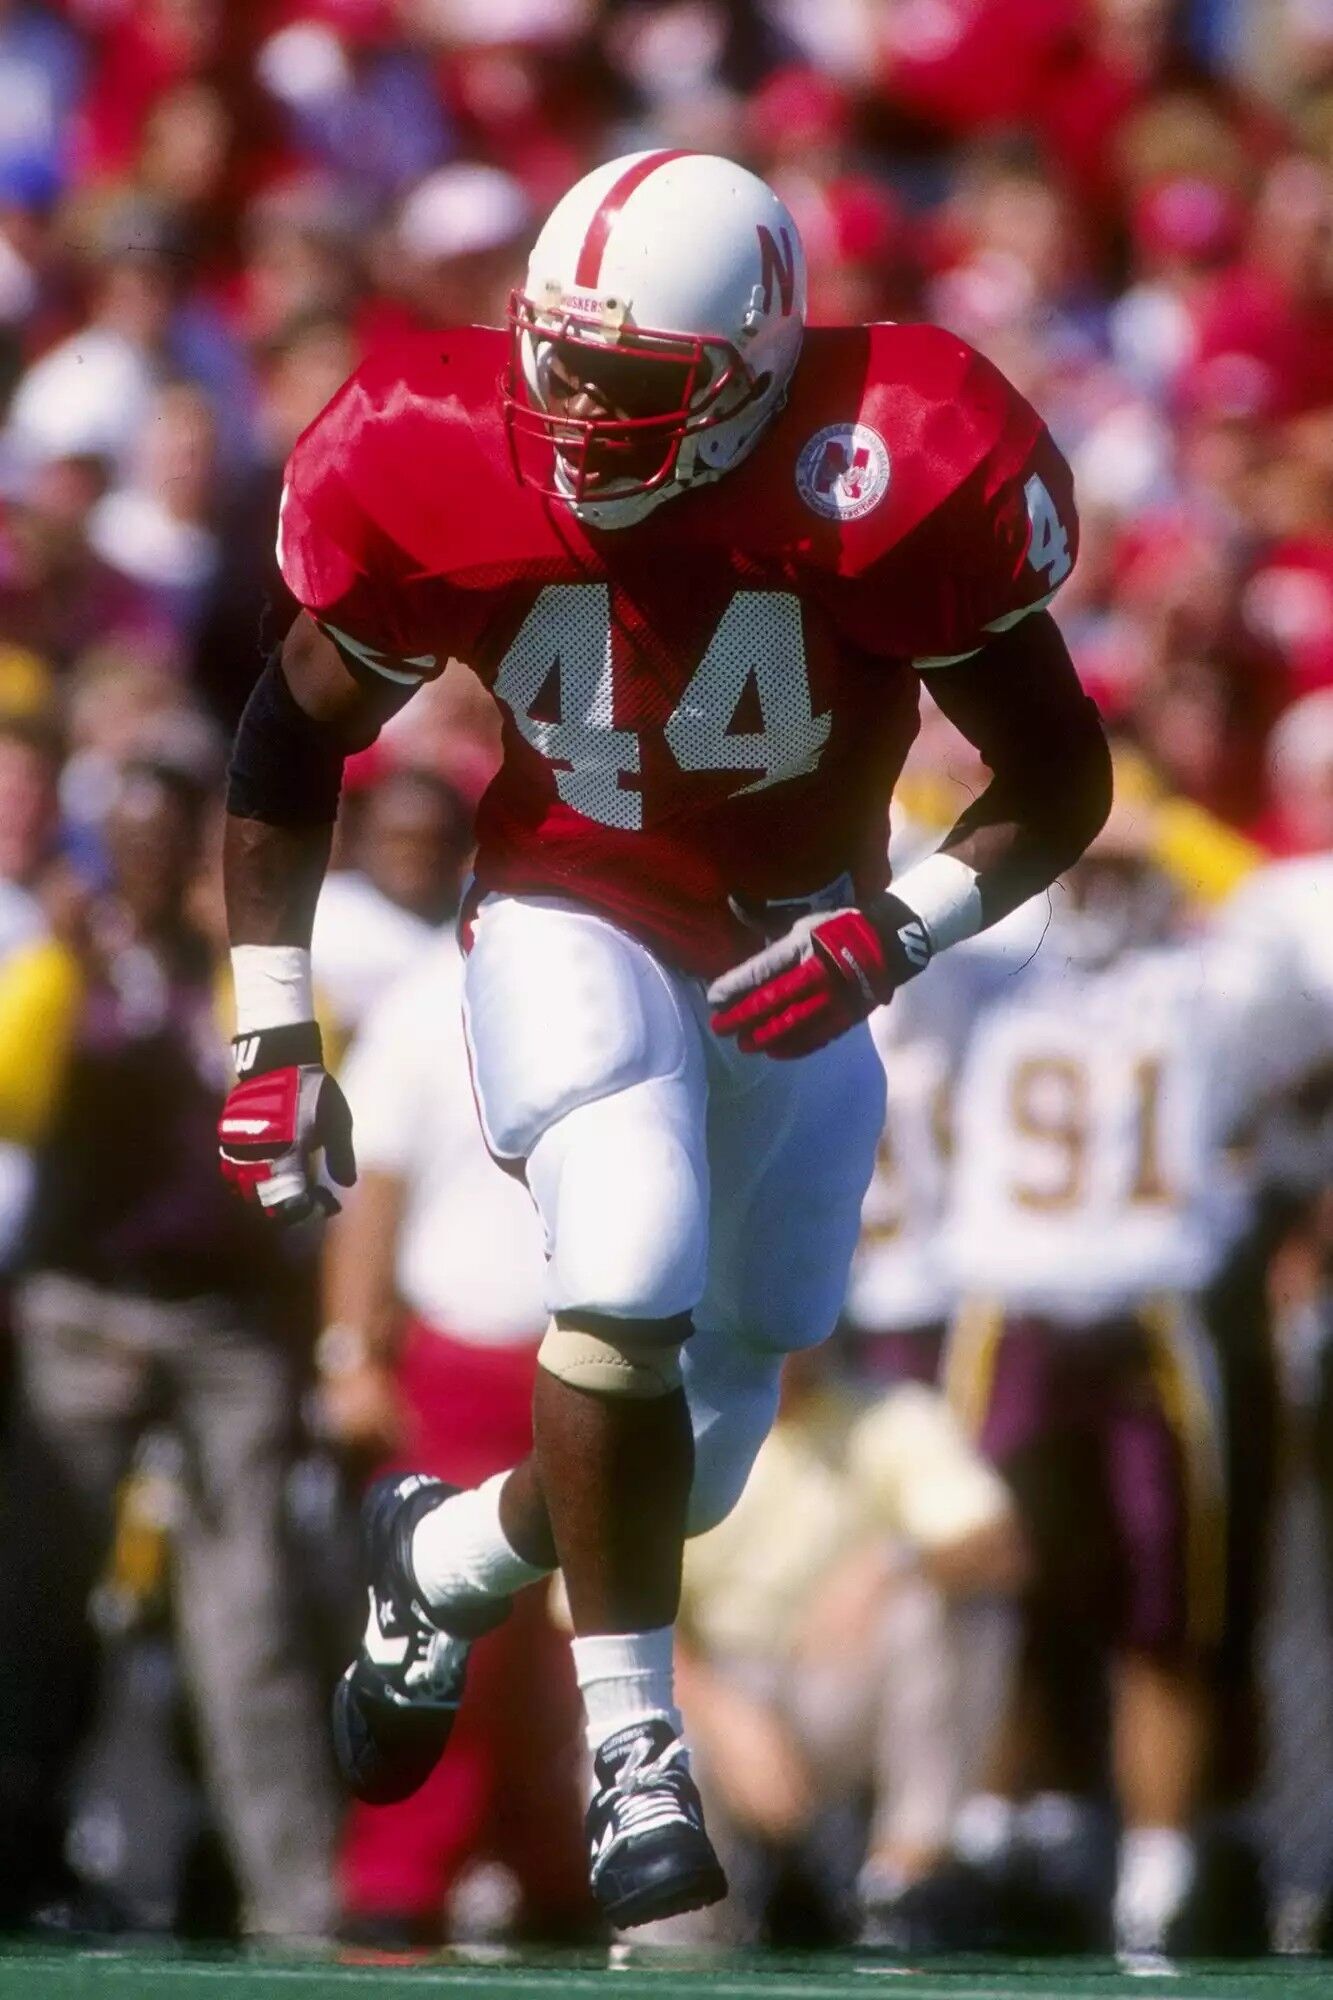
676, 382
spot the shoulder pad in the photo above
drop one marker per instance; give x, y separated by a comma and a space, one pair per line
923, 478
419, 444
884, 425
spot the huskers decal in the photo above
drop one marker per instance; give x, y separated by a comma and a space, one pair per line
843, 471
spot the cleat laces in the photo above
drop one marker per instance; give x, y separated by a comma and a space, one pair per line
645, 1796
440, 1675
421, 1665
432, 1673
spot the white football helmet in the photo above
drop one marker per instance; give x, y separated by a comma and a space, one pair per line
1117, 897
671, 261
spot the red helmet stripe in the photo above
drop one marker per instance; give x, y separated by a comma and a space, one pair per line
589, 268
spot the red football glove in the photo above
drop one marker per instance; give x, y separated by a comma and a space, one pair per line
828, 972
284, 1109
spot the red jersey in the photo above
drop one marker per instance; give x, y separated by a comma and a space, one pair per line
716, 701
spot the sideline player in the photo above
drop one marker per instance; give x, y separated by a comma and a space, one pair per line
700, 557
1094, 1200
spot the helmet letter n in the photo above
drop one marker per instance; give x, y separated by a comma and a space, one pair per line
777, 267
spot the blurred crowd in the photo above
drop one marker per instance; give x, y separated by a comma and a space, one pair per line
208, 213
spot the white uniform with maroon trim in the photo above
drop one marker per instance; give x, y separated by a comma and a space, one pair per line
901, 1278
1095, 1113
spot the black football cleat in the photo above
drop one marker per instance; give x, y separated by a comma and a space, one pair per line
394, 1708
651, 1857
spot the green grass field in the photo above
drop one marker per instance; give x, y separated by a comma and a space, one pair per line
135, 1973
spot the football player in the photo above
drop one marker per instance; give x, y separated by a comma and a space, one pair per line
1094, 1200
701, 558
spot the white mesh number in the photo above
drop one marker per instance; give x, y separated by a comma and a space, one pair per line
1048, 550
567, 634
760, 639
564, 647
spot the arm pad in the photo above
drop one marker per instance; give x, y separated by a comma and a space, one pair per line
286, 768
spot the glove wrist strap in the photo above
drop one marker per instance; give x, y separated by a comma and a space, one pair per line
289, 1047
903, 938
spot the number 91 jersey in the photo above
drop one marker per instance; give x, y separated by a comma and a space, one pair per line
714, 703
1097, 1116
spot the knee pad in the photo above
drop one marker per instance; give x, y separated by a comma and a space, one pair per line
604, 1357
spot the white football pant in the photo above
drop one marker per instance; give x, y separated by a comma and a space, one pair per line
672, 1173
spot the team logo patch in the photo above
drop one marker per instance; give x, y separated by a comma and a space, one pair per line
843, 471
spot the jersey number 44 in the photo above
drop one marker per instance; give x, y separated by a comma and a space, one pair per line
561, 662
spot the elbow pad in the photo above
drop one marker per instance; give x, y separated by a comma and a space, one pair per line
286, 768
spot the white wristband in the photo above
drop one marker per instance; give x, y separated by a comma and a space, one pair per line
273, 986
945, 893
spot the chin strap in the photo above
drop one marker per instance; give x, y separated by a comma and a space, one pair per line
631, 508
625, 512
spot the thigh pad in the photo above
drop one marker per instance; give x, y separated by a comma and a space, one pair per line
561, 1009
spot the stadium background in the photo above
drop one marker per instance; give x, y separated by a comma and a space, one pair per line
209, 211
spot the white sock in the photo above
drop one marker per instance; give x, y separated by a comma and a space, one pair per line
984, 1828
1050, 1821
1153, 1878
624, 1678
459, 1549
